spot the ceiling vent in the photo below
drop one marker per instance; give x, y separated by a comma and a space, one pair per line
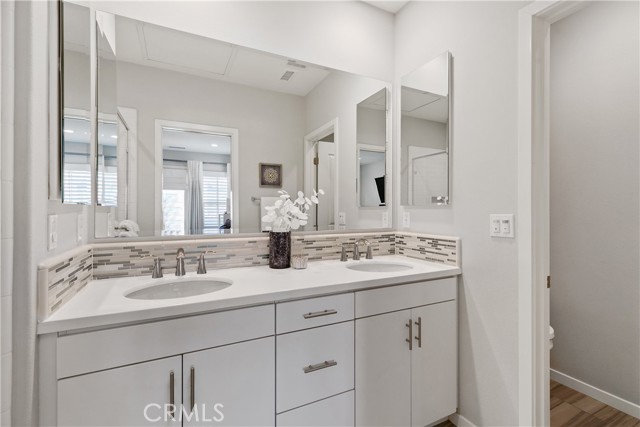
286, 76
295, 64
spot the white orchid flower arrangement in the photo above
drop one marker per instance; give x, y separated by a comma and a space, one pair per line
287, 215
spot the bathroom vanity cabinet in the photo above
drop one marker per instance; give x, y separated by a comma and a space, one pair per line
381, 356
406, 354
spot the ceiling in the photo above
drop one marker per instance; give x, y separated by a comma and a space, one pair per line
424, 105
160, 47
377, 101
391, 6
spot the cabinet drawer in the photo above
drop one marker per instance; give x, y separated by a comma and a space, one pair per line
312, 312
393, 298
313, 364
94, 351
336, 411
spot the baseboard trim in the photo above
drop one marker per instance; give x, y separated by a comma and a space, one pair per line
603, 396
460, 421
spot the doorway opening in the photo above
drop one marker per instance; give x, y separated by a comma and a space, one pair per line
321, 172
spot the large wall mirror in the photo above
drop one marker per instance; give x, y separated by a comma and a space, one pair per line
426, 134
195, 136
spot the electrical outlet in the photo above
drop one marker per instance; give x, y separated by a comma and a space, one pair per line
342, 218
385, 219
80, 227
53, 232
406, 219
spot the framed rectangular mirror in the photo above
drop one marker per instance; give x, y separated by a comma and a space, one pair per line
426, 134
185, 124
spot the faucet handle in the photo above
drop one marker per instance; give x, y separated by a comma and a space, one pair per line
202, 267
157, 269
369, 252
156, 273
343, 256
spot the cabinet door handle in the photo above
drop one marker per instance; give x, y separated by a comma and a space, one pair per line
320, 313
172, 395
410, 339
318, 366
419, 337
193, 388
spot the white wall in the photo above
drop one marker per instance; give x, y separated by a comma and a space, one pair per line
270, 125
595, 297
482, 37
371, 126
337, 97
6, 211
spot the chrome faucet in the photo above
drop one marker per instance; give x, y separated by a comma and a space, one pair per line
202, 267
180, 262
356, 250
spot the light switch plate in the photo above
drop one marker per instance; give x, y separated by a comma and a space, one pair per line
501, 225
52, 231
385, 219
406, 219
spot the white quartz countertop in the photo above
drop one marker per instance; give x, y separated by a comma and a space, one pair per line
102, 303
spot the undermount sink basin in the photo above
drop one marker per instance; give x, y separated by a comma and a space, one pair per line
180, 288
379, 267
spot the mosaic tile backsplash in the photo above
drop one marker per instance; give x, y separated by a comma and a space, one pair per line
444, 250
64, 277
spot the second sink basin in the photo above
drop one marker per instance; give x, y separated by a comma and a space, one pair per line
180, 288
379, 267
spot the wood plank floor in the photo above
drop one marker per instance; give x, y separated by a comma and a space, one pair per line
570, 408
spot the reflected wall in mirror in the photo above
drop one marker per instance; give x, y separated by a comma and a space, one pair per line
75, 137
371, 155
426, 134
195, 117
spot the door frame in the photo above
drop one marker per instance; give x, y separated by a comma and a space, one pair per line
235, 175
309, 142
535, 21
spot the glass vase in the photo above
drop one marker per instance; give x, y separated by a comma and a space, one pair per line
279, 249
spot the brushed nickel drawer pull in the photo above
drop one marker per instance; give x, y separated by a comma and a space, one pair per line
193, 388
172, 395
320, 313
318, 366
410, 339
419, 337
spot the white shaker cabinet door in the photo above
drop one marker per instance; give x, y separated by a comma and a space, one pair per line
434, 364
135, 395
383, 370
233, 385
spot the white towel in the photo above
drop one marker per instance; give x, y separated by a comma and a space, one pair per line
264, 202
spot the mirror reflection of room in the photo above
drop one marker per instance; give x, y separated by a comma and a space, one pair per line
163, 89
425, 134
372, 139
